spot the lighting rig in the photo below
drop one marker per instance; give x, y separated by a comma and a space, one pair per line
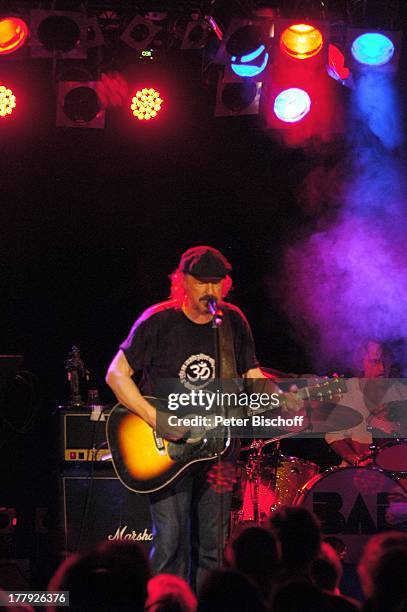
276, 60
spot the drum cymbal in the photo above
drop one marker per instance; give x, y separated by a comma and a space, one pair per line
328, 417
319, 419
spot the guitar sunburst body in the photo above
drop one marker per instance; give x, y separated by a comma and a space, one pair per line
141, 458
135, 440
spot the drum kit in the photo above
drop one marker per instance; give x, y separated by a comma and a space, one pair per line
352, 503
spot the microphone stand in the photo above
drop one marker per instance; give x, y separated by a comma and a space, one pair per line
217, 320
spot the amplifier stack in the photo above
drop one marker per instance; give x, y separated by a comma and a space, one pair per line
95, 505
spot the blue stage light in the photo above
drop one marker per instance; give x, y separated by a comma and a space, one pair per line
242, 68
372, 49
250, 56
291, 105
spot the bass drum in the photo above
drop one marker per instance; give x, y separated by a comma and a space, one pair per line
351, 504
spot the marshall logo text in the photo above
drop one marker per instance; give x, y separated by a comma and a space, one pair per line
137, 536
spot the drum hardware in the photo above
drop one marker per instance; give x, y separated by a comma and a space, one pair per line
269, 481
261, 488
257, 484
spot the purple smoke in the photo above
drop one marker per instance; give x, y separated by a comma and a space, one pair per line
348, 282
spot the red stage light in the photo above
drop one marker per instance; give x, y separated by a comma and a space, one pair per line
301, 41
146, 104
13, 34
336, 64
7, 101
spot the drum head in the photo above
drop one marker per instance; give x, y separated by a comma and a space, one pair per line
351, 504
392, 457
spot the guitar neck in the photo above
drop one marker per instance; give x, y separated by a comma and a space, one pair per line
323, 391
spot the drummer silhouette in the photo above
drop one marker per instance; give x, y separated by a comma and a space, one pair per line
372, 393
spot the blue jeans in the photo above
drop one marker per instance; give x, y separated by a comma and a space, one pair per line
185, 527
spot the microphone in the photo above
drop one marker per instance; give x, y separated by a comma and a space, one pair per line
212, 304
215, 311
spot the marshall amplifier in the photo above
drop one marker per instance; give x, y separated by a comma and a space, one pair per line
99, 508
81, 438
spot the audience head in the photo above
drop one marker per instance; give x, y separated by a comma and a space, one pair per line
326, 569
255, 552
299, 596
111, 575
390, 584
374, 550
169, 593
299, 533
226, 590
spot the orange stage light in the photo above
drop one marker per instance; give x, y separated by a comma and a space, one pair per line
301, 41
13, 34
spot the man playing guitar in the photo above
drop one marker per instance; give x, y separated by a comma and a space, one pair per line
174, 340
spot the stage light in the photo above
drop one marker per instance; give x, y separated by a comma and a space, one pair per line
237, 98
140, 33
372, 49
336, 65
7, 101
146, 104
62, 34
13, 34
196, 35
367, 50
79, 106
245, 38
252, 64
59, 33
302, 104
292, 105
301, 41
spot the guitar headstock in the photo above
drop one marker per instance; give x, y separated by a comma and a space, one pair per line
327, 389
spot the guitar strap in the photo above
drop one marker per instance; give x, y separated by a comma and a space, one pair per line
227, 365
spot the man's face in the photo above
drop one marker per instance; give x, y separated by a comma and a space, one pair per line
198, 291
373, 364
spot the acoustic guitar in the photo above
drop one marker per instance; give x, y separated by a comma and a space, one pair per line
145, 462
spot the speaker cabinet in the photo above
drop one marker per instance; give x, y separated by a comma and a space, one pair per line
99, 508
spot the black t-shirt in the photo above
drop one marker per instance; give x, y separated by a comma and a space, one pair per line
164, 344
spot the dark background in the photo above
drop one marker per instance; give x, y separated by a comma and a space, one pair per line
93, 221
